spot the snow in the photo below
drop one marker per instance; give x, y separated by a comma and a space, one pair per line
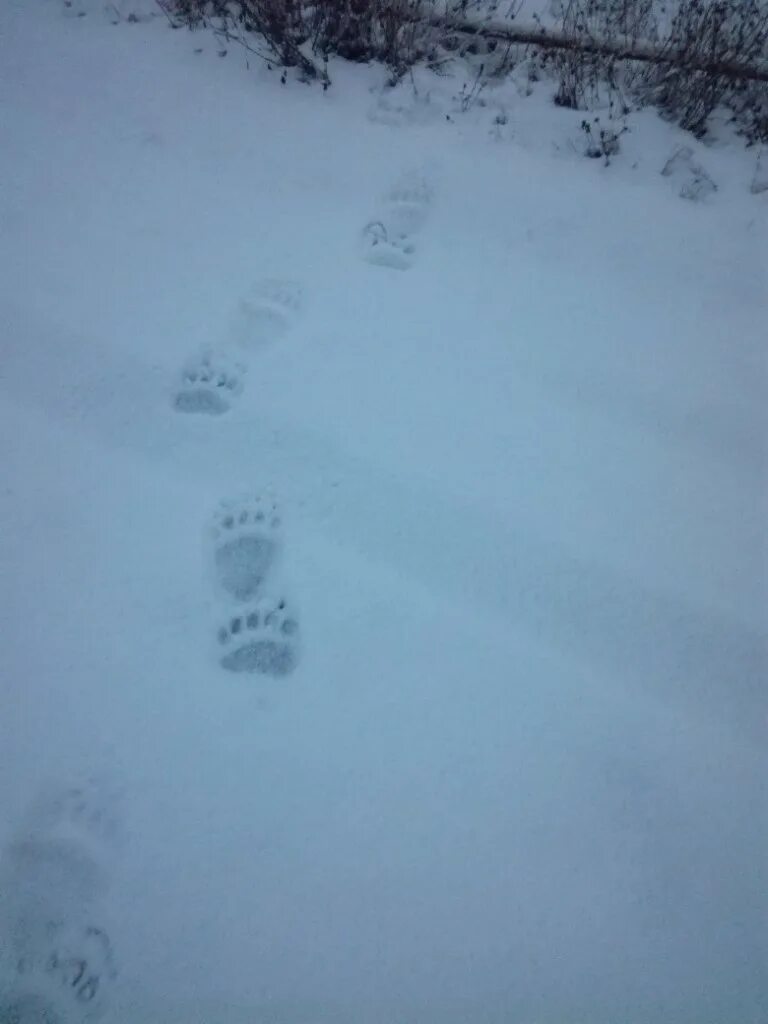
518, 774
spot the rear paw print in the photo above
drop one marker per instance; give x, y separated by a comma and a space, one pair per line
91, 808
209, 385
246, 541
270, 310
59, 860
408, 203
396, 252
388, 241
85, 816
263, 639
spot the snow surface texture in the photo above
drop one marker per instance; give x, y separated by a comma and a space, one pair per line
55, 964
516, 774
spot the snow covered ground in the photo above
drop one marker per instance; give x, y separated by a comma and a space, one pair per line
518, 774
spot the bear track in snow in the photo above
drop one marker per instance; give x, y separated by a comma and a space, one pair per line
210, 383
246, 539
262, 638
269, 310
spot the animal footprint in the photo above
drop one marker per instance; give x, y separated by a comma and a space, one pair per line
382, 250
693, 180
81, 963
67, 970
408, 204
209, 384
59, 859
270, 310
86, 813
246, 541
57, 967
263, 638
387, 241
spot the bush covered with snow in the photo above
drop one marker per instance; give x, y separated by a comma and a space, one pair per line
687, 58
297, 34
708, 42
